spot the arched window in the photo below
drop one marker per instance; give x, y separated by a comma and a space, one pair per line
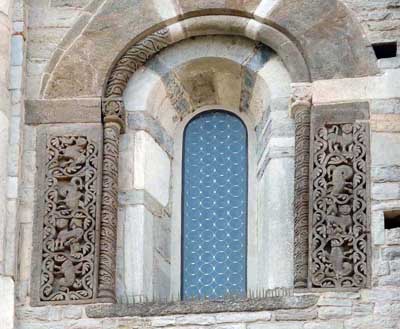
214, 212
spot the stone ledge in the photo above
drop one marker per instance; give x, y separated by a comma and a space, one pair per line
200, 307
76, 110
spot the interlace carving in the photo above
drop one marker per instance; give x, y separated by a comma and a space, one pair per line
69, 226
340, 227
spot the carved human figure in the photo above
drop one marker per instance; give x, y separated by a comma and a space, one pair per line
341, 220
337, 259
340, 141
339, 179
70, 194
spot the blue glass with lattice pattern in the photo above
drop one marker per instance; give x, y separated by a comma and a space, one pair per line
214, 236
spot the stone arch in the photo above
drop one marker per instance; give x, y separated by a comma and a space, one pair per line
299, 47
145, 97
330, 39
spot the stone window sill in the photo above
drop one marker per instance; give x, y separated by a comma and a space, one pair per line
201, 307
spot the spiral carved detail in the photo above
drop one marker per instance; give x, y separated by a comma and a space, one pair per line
109, 209
302, 153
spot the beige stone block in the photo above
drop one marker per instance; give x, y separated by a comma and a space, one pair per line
264, 8
247, 6
138, 250
86, 110
4, 126
385, 150
276, 325
385, 123
152, 167
7, 302
126, 162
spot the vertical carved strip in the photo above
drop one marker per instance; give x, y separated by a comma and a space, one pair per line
300, 108
340, 225
67, 259
113, 112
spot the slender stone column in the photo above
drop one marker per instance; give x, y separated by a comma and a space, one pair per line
300, 107
113, 117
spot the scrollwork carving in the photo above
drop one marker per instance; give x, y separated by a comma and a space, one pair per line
68, 254
301, 100
340, 228
109, 209
133, 59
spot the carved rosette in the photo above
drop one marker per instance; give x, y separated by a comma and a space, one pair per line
340, 228
301, 102
68, 254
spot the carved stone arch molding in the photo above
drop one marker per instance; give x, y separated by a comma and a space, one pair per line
76, 238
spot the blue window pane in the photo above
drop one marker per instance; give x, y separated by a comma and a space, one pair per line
214, 226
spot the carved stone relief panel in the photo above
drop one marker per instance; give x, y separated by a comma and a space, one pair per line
339, 210
66, 232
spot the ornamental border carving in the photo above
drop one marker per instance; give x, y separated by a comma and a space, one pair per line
339, 224
66, 236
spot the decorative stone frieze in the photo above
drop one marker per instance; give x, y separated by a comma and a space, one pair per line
300, 108
339, 220
65, 266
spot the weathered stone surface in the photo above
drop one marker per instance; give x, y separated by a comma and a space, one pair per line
143, 121
390, 253
63, 111
268, 304
7, 302
333, 312
344, 57
392, 237
276, 325
152, 168
324, 325
296, 315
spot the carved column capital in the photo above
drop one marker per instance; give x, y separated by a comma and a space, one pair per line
300, 98
113, 110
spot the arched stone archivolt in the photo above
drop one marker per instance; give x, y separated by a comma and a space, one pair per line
114, 122
330, 39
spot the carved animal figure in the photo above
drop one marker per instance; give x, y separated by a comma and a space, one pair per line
339, 176
343, 220
70, 193
73, 154
66, 238
69, 271
337, 258
340, 142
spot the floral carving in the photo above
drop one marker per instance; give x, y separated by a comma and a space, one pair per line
340, 228
69, 226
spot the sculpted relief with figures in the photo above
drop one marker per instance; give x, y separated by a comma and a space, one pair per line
69, 223
339, 234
